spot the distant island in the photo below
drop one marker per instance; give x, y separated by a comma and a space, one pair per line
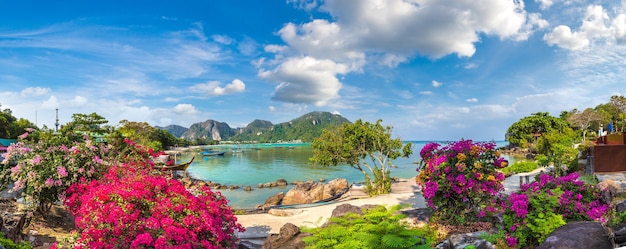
304, 128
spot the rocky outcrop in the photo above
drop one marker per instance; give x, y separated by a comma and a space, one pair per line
310, 192
578, 234
210, 129
289, 237
304, 193
334, 187
273, 200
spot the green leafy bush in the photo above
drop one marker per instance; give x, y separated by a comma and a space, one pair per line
8, 244
520, 167
378, 227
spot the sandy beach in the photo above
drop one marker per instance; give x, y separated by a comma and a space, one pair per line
404, 191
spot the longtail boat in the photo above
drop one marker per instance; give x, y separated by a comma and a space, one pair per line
182, 166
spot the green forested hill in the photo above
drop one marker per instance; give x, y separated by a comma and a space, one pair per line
304, 128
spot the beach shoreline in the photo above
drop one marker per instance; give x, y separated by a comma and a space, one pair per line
259, 226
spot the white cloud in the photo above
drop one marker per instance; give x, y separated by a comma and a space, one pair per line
306, 80
596, 28
472, 100
51, 103
436, 83
470, 66
383, 32
544, 4
619, 28
433, 28
307, 5
223, 39
247, 46
426, 92
35, 91
271, 108
184, 109
593, 25
563, 36
236, 86
213, 88
78, 101
336, 113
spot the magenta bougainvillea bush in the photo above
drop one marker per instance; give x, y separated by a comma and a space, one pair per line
460, 181
531, 214
131, 208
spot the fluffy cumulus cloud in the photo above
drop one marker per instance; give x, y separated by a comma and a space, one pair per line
183, 109
236, 86
386, 32
306, 80
596, 26
432, 28
35, 91
213, 88
436, 83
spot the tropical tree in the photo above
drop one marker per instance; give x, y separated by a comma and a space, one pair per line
524, 132
584, 119
145, 134
352, 143
91, 123
6, 118
620, 104
557, 146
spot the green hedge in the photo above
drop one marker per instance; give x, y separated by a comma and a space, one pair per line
520, 167
8, 244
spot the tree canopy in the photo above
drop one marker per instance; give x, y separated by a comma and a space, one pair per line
527, 129
10, 126
355, 143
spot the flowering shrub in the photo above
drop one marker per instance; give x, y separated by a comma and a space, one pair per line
548, 203
130, 208
47, 164
460, 180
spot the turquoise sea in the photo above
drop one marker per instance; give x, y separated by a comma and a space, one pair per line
244, 165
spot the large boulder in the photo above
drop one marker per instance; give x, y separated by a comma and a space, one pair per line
304, 193
343, 209
289, 237
335, 187
273, 200
8, 192
578, 234
468, 240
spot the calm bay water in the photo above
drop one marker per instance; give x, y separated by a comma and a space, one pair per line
264, 163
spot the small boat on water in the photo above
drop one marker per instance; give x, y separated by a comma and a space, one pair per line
213, 153
236, 151
182, 166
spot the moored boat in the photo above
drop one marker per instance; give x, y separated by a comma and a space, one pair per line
212, 153
182, 166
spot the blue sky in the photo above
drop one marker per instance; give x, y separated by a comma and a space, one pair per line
433, 70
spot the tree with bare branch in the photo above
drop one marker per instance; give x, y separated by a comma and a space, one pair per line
583, 120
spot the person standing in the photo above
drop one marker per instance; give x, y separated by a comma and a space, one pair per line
609, 127
601, 131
